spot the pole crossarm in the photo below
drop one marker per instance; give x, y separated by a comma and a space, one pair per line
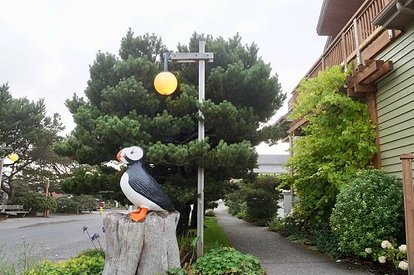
191, 57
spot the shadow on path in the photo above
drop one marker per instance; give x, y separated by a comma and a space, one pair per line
277, 254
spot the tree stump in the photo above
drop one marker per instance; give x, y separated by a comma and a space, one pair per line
141, 248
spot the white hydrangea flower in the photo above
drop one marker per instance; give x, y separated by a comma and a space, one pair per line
402, 248
386, 244
403, 265
382, 259
368, 250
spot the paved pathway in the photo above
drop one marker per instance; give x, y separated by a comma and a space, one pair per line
277, 254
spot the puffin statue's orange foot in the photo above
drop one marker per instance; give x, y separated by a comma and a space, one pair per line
138, 215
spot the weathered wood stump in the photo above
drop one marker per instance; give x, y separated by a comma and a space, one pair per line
141, 248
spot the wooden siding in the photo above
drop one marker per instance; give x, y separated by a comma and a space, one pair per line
395, 101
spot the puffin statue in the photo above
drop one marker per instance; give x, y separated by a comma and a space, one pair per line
140, 187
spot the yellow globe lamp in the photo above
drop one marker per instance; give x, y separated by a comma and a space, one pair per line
165, 83
13, 157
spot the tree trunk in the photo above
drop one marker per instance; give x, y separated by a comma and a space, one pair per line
141, 248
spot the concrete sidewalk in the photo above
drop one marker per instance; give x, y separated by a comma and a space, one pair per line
15, 223
277, 254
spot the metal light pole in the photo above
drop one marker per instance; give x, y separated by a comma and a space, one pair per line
200, 176
201, 57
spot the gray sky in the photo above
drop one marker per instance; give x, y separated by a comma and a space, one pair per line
46, 47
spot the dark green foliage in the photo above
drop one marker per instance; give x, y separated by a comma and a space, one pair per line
339, 141
67, 205
90, 181
368, 211
121, 109
187, 244
326, 241
86, 202
25, 128
271, 134
255, 201
34, 202
235, 199
229, 261
73, 205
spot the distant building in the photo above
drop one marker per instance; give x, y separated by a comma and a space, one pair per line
271, 164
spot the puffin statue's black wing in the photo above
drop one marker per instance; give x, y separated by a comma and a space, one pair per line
149, 188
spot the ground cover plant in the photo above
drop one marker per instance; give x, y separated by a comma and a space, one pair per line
227, 260
90, 262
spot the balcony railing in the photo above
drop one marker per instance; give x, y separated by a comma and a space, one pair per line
342, 49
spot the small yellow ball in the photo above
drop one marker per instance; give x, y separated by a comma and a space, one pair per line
13, 157
165, 83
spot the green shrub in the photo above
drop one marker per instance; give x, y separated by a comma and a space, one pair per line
90, 262
254, 201
210, 213
227, 260
261, 206
235, 200
34, 202
291, 225
369, 211
67, 205
86, 202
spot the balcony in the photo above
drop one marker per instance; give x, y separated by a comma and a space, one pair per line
359, 40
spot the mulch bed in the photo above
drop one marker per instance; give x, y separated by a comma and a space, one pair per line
373, 267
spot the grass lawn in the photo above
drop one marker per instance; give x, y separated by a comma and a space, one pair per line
213, 234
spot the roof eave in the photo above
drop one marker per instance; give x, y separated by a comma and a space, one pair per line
322, 16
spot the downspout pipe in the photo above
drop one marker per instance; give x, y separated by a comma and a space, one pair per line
404, 9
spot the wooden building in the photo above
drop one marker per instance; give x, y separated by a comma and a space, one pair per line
271, 164
378, 37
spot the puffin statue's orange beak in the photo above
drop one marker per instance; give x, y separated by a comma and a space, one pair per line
118, 156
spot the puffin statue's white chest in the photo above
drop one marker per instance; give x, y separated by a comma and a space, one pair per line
136, 198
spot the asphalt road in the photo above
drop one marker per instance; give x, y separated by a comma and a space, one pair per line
55, 238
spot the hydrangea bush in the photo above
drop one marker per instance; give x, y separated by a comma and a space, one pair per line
368, 211
389, 252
